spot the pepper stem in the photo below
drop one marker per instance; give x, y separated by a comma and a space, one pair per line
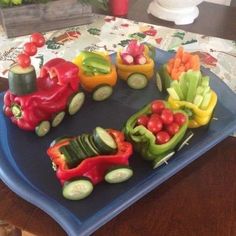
16, 111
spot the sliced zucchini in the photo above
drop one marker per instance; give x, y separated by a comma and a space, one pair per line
22, 80
43, 128
75, 103
59, 139
79, 148
104, 141
118, 174
88, 146
161, 160
159, 82
137, 81
58, 118
102, 92
77, 189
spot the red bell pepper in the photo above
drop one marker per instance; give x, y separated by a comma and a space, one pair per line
57, 82
93, 168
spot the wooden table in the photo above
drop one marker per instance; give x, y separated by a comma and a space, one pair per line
199, 200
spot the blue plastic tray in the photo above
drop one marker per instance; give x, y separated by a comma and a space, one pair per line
26, 168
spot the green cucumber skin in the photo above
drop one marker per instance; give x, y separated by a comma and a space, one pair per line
104, 148
22, 84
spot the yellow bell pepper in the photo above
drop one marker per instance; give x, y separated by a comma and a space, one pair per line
199, 117
90, 82
124, 71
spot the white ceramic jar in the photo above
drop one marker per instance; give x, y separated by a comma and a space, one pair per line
182, 12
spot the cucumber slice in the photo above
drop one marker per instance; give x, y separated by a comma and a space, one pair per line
159, 82
22, 80
88, 146
102, 92
77, 189
99, 64
75, 103
43, 128
159, 161
71, 158
137, 81
58, 118
104, 141
59, 139
118, 174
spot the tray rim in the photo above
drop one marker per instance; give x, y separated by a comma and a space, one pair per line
64, 217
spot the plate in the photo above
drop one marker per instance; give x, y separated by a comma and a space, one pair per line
26, 169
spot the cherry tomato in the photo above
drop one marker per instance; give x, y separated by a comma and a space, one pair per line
23, 60
30, 49
157, 106
180, 118
38, 39
167, 116
155, 116
172, 128
143, 120
154, 125
162, 137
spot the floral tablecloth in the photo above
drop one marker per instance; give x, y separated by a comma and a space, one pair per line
111, 33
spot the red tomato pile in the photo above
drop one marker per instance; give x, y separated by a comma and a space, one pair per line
162, 122
30, 49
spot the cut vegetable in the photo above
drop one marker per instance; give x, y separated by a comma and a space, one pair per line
127, 58
140, 60
43, 128
77, 189
159, 82
118, 174
102, 92
173, 94
104, 141
99, 64
22, 80
193, 78
137, 81
76, 102
58, 118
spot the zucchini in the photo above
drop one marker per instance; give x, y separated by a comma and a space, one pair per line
104, 141
43, 128
75, 102
102, 92
76, 144
88, 146
118, 174
137, 81
77, 189
22, 80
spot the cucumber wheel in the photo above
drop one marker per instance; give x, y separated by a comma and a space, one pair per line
118, 174
159, 82
77, 189
102, 92
158, 162
75, 103
43, 128
137, 81
58, 118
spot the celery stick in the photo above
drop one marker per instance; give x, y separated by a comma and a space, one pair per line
200, 90
205, 101
198, 100
173, 93
193, 78
205, 81
176, 86
183, 85
206, 90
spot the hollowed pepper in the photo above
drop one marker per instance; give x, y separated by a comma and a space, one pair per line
198, 117
95, 167
144, 141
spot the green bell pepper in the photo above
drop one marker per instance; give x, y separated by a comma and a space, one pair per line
144, 141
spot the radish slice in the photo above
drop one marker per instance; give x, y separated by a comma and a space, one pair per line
140, 60
127, 58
